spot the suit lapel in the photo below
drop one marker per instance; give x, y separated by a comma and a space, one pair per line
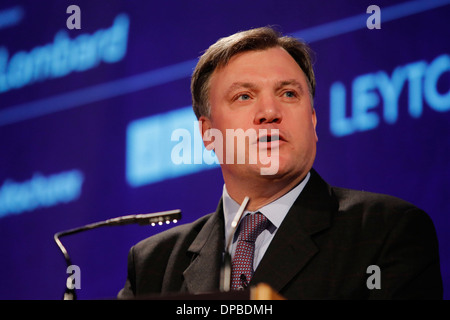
293, 247
203, 274
289, 252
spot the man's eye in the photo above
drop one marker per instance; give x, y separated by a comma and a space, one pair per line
244, 97
290, 94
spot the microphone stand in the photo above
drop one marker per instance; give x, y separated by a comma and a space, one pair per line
153, 219
225, 278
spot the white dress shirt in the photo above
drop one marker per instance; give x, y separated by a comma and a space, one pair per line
275, 212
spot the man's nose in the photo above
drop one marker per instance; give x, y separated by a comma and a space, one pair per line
268, 111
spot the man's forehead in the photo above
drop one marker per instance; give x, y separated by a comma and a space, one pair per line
250, 69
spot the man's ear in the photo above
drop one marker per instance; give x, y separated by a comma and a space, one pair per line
205, 127
314, 121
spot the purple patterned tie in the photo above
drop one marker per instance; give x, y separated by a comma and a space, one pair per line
242, 265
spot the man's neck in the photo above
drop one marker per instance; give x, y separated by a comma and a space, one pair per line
261, 191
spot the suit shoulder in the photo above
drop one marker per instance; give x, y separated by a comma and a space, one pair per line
349, 199
370, 206
378, 212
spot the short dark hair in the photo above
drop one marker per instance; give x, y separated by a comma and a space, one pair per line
219, 54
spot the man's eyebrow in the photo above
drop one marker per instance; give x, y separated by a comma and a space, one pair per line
239, 85
289, 82
249, 85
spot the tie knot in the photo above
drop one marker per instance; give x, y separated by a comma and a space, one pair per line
251, 226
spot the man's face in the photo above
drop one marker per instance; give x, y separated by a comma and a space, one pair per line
263, 90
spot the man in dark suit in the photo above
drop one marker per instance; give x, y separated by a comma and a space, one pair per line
318, 241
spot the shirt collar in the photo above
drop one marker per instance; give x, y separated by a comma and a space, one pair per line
275, 211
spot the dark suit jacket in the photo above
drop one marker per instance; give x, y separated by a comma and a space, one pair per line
322, 250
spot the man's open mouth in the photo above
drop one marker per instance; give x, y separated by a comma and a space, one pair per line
269, 138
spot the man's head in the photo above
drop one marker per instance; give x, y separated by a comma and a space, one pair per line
218, 55
253, 81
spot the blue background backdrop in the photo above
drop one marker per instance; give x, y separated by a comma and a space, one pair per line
86, 117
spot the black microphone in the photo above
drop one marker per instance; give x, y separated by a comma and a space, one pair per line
225, 278
158, 218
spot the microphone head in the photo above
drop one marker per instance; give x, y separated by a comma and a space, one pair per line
225, 280
159, 218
